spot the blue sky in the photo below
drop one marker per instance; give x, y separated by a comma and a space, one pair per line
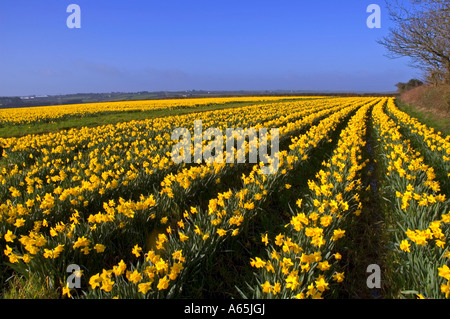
137, 45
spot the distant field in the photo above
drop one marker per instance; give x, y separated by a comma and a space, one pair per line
21, 121
95, 186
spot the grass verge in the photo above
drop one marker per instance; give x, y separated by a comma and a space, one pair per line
28, 288
436, 120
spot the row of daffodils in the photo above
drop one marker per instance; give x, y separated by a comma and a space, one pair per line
303, 262
418, 212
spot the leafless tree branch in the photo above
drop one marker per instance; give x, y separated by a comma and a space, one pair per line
421, 32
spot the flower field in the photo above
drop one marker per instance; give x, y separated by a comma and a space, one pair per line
111, 200
58, 112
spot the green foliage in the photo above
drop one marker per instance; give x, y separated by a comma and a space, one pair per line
33, 287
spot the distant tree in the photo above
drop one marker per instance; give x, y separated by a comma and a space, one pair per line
74, 101
421, 32
411, 84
